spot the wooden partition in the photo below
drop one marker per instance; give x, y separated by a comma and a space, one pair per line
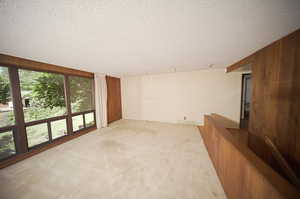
242, 174
275, 106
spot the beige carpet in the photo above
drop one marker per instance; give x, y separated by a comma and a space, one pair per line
129, 159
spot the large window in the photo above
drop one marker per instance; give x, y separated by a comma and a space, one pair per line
48, 106
42, 95
7, 119
81, 94
82, 102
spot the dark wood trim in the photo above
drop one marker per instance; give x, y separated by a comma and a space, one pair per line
32, 152
45, 120
83, 112
83, 117
7, 128
95, 121
20, 137
49, 131
8, 60
68, 104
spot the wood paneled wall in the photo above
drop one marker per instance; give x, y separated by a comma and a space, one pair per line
114, 105
275, 107
243, 175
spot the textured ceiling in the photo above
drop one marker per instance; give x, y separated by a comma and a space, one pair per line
127, 37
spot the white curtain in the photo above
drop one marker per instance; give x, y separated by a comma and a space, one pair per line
100, 100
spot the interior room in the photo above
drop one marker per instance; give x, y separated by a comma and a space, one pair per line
127, 99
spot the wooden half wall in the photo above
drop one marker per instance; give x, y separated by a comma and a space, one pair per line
275, 106
243, 175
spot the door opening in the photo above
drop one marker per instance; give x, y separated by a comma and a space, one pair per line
245, 101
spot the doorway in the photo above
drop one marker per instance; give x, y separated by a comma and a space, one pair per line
245, 101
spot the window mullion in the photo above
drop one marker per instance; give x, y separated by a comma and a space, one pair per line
19, 132
68, 104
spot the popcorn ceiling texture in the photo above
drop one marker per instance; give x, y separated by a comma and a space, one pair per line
129, 37
128, 160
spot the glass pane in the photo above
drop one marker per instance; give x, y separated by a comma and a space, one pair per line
6, 106
42, 95
58, 128
89, 119
37, 134
7, 145
77, 122
81, 90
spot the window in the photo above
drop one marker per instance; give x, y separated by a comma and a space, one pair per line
89, 119
81, 90
42, 95
7, 144
82, 102
59, 128
52, 106
77, 122
6, 104
7, 119
37, 134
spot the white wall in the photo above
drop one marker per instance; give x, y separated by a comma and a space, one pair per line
173, 96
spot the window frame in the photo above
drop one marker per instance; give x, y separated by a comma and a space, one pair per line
19, 128
84, 122
7, 129
93, 95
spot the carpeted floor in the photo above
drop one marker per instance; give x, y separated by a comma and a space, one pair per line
129, 159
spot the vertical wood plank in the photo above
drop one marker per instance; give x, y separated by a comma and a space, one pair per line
68, 104
114, 105
20, 132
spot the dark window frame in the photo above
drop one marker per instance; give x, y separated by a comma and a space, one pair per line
19, 128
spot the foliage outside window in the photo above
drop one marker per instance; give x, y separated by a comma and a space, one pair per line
6, 105
43, 99
81, 94
42, 95
7, 145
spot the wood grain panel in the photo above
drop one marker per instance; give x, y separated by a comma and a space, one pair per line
275, 106
241, 63
7, 60
228, 123
243, 174
114, 104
